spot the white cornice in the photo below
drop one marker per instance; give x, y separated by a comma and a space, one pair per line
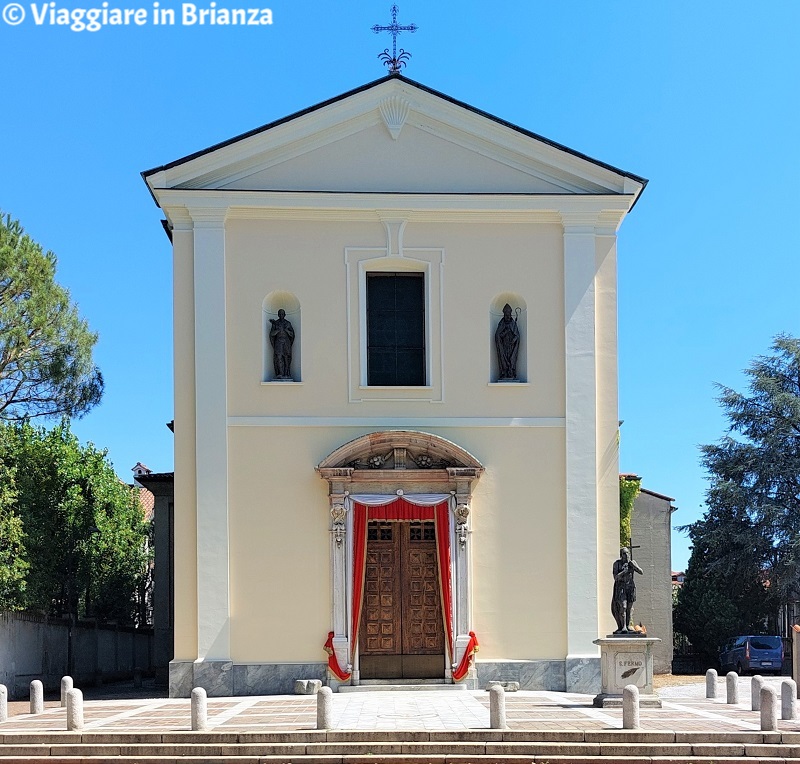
179, 218
208, 217
392, 422
590, 209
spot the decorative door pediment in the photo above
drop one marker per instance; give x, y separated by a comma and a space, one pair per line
392, 455
426, 470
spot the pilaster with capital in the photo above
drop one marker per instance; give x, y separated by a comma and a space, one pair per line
211, 435
341, 534
581, 423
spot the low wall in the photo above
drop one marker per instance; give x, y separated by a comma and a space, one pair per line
36, 647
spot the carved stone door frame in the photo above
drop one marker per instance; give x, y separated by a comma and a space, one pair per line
401, 463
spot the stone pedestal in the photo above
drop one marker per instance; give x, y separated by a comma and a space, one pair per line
626, 660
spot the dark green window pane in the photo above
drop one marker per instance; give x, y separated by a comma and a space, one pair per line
395, 329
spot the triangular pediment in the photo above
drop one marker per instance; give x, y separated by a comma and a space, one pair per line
393, 136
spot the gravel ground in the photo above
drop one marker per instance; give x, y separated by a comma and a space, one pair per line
676, 680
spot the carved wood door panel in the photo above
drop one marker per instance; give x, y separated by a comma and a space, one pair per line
401, 632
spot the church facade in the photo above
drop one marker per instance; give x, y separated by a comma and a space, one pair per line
395, 399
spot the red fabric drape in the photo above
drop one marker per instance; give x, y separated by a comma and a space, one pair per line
463, 667
401, 509
333, 662
442, 518
359, 569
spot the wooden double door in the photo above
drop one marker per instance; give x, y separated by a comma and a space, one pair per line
401, 630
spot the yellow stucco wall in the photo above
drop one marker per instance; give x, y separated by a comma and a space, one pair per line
280, 543
307, 260
278, 510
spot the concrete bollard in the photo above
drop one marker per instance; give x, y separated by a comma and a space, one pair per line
3, 703
630, 707
37, 697
769, 709
732, 687
137, 678
324, 708
66, 686
199, 709
788, 695
74, 710
497, 708
756, 683
711, 683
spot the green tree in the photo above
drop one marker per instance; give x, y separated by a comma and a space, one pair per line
46, 366
629, 488
13, 560
725, 591
746, 550
84, 530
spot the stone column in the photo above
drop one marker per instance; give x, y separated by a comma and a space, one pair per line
460, 559
66, 686
582, 664
460, 538
211, 438
74, 703
324, 709
711, 683
199, 709
37, 697
341, 541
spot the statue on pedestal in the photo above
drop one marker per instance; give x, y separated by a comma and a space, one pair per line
624, 591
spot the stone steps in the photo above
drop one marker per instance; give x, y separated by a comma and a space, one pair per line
403, 688
383, 747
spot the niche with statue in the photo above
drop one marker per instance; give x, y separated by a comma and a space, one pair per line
281, 341
508, 317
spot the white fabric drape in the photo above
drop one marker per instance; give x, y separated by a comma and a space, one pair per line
381, 499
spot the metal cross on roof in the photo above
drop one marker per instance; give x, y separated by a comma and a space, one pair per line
394, 61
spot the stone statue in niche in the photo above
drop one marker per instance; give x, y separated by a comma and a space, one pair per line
624, 592
281, 337
506, 341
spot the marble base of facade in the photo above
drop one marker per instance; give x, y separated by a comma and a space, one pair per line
571, 675
228, 679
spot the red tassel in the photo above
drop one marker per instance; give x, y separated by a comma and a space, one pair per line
333, 663
463, 667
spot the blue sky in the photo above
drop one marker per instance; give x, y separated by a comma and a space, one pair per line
699, 97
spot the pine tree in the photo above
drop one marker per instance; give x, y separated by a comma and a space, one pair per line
46, 366
746, 550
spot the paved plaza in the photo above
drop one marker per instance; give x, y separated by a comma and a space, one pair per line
685, 708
